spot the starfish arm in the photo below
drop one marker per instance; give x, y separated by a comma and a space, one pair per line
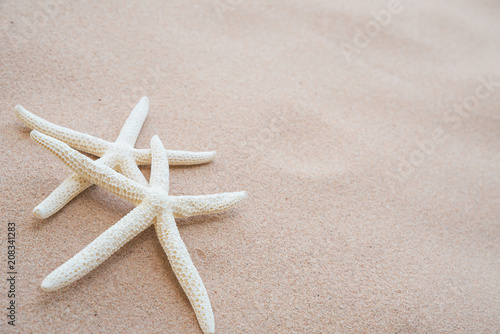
175, 158
94, 172
159, 165
61, 196
78, 140
101, 248
66, 191
129, 168
187, 206
185, 271
130, 131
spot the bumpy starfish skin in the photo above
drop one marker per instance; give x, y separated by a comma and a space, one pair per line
120, 155
154, 205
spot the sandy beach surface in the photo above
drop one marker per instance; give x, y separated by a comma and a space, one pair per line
366, 134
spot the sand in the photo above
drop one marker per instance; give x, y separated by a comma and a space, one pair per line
368, 144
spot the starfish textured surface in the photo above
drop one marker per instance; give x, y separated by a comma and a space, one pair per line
120, 155
154, 205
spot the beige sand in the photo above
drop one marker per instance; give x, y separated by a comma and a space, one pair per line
374, 201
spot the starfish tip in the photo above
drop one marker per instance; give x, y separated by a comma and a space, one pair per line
48, 285
143, 103
209, 327
39, 213
19, 110
35, 135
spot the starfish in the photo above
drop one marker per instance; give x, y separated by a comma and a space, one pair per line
120, 155
153, 206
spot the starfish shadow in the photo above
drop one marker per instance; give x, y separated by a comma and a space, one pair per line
205, 219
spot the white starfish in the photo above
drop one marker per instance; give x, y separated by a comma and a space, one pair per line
120, 155
153, 203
